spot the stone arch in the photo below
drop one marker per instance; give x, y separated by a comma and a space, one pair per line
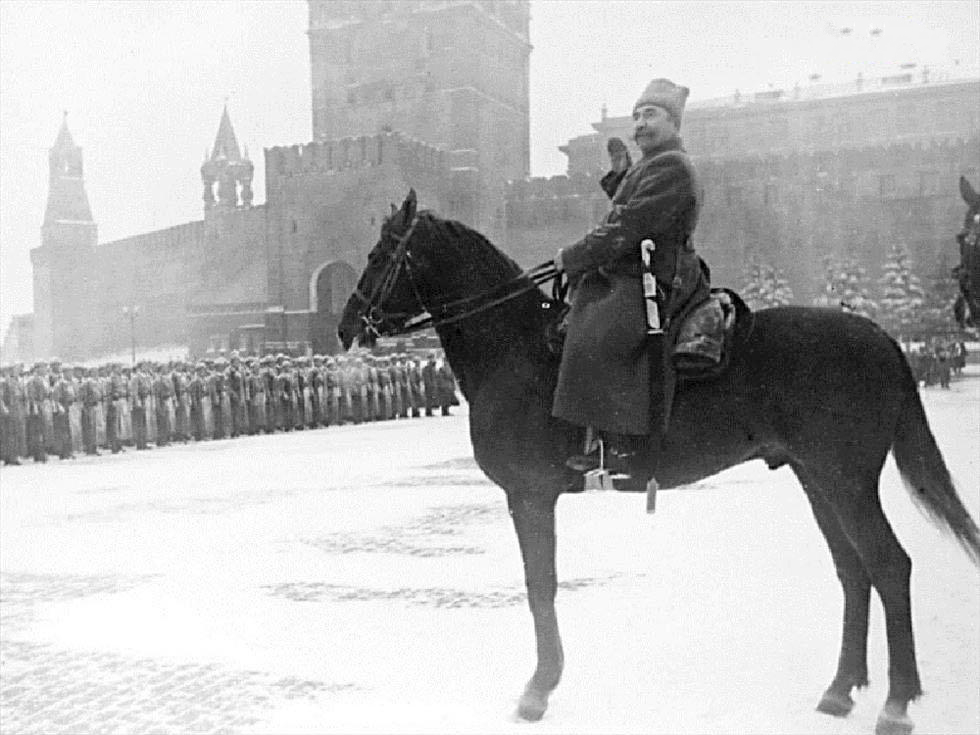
331, 284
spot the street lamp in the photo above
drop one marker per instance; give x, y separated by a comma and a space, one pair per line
132, 311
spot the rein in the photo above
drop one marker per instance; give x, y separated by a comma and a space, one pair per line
442, 314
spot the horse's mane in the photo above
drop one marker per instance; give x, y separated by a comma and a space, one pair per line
469, 245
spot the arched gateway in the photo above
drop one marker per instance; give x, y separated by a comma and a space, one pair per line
330, 286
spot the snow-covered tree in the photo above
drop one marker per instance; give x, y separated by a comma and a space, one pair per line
940, 294
764, 286
901, 295
846, 287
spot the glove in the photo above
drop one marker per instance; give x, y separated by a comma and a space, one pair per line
619, 155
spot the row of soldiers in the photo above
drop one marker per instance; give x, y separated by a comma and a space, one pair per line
59, 409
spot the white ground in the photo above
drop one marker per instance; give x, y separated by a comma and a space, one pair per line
377, 562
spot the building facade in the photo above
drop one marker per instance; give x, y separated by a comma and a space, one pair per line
794, 176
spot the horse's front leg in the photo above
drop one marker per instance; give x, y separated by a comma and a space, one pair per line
534, 520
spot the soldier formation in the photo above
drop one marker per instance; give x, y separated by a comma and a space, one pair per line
936, 361
58, 409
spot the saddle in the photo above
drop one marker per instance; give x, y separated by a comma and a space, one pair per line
705, 338
704, 335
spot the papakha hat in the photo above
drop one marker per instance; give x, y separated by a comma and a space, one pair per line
664, 93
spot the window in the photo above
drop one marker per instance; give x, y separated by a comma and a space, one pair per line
218, 342
771, 195
928, 183
886, 186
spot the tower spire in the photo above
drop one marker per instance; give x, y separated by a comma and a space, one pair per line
67, 200
226, 167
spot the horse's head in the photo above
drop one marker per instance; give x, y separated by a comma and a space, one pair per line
967, 273
386, 296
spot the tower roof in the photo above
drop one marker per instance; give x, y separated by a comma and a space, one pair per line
225, 143
67, 201
64, 141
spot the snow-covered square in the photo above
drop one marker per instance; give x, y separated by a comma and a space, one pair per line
367, 579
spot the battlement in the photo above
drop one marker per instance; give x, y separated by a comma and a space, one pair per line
337, 156
552, 187
902, 154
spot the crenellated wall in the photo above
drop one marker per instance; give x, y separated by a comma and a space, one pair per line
325, 204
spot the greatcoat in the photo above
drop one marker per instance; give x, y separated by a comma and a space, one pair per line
605, 374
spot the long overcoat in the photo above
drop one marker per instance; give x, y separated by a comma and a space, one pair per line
605, 373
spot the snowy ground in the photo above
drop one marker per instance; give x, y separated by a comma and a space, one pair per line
367, 579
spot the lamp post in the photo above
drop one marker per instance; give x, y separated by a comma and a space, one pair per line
132, 311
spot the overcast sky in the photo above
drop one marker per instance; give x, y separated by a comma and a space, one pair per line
144, 84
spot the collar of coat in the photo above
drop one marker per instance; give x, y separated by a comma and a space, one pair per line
671, 144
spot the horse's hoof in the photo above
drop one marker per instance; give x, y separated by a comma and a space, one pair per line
833, 703
532, 706
893, 723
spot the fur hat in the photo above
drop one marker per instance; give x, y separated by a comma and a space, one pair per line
664, 93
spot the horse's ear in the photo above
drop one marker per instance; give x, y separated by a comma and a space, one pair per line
409, 206
968, 193
394, 210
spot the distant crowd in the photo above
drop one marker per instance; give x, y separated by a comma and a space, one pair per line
937, 361
62, 410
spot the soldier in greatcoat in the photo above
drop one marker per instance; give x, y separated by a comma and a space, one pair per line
9, 447
284, 395
125, 407
102, 378
163, 393
380, 376
77, 377
197, 394
605, 376
316, 392
216, 392
38, 396
182, 406
63, 397
300, 393
356, 388
430, 384
331, 392
446, 384
271, 403
256, 398
416, 385
113, 417
140, 390
91, 397
235, 384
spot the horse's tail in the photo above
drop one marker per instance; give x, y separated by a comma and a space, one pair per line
927, 478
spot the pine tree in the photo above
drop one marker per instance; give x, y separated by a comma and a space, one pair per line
937, 310
764, 286
846, 287
901, 295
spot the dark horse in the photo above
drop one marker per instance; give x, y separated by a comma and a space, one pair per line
967, 273
826, 392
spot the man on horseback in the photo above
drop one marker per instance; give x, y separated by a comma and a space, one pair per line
607, 367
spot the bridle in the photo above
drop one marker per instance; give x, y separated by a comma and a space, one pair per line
431, 314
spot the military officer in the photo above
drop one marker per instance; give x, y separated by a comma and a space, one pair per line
605, 375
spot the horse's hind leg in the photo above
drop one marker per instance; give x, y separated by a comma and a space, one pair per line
852, 666
855, 502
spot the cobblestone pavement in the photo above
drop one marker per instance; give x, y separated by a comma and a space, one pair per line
56, 679
367, 579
